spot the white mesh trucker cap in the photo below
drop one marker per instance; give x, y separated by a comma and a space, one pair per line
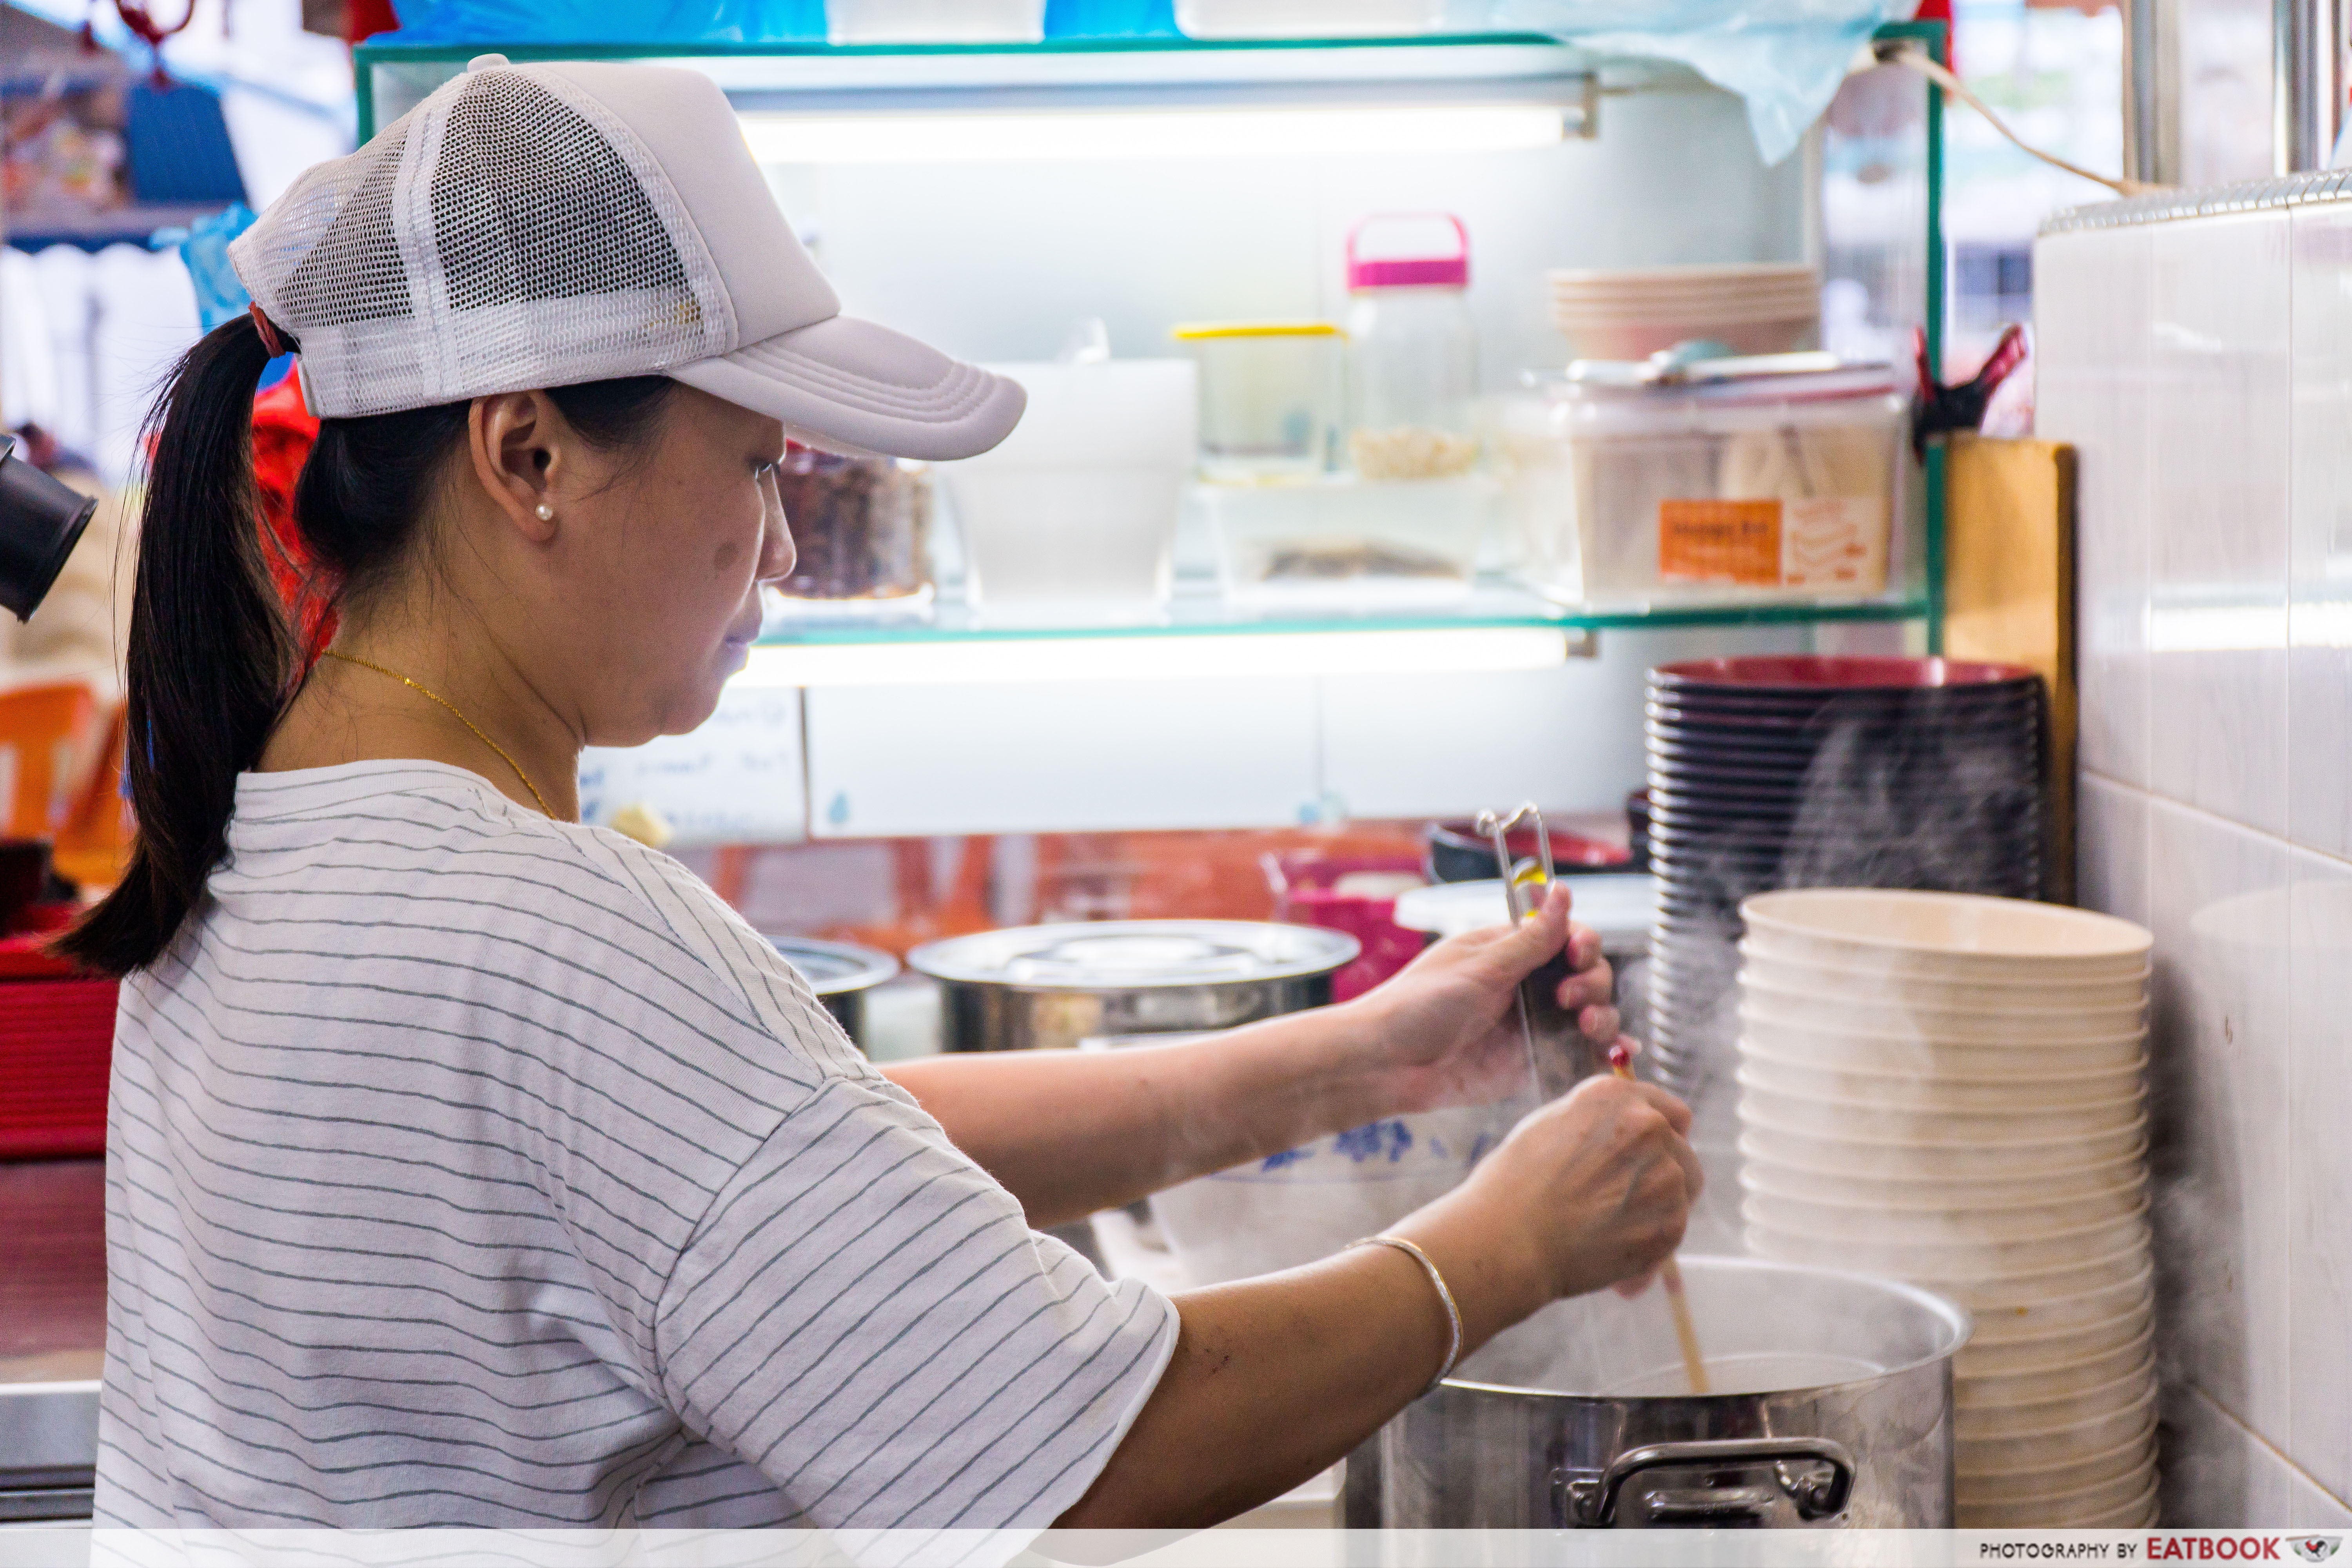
545, 224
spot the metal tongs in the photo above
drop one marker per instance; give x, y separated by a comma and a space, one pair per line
1524, 880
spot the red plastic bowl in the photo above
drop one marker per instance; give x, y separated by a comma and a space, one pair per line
1837, 672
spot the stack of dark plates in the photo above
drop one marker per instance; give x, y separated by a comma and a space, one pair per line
1819, 772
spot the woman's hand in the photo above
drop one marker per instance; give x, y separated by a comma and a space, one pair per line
1446, 1027
1593, 1189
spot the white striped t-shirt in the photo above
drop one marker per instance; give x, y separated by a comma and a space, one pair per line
464, 1167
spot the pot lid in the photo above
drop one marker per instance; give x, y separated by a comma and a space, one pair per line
1753, 378
1620, 907
834, 967
1129, 955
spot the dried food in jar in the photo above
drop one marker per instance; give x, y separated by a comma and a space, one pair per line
1412, 452
861, 526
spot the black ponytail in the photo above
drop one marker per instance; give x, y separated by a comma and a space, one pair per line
209, 651
211, 657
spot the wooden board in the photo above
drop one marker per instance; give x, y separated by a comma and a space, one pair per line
2009, 596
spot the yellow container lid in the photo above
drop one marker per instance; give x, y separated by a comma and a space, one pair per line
1196, 332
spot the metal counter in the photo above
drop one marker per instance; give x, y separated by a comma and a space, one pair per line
52, 1335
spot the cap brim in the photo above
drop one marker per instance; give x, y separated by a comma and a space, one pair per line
857, 387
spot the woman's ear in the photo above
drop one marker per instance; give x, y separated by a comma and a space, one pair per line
517, 441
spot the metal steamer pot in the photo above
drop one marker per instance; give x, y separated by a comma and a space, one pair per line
1836, 1412
1051, 986
840, 973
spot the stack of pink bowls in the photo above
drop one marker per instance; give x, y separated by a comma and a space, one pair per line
1948, 1089
1754, 308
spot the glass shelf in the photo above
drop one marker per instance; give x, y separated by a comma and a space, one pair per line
1490, 604
1063, 72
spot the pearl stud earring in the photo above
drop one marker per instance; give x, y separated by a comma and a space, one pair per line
546, 512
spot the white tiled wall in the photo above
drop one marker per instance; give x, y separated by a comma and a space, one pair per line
2203, 368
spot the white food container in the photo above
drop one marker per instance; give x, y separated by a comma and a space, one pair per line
1073, 517
935, 21
1307, 19
1341, 542
1761, 479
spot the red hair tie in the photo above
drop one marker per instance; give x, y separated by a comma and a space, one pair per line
269, 338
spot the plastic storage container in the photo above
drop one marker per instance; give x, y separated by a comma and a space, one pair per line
935, 21
1307, 19
1413, 349
1779, 477
861, 532
1343, 542
1073, 517
1271, 397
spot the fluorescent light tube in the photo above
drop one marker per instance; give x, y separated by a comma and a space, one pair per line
1442, 650
955, 136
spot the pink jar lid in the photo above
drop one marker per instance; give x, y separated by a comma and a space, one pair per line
1409, 271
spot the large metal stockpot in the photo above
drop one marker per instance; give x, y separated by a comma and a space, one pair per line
1836, 1412
1050, 986
841, 974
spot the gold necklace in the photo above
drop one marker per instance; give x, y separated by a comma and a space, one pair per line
461, 718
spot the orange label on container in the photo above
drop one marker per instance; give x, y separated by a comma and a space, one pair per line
1721, 542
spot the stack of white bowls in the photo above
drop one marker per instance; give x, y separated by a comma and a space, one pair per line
1755, 308
1948, 1089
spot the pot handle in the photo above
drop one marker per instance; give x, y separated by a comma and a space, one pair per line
1591, 1501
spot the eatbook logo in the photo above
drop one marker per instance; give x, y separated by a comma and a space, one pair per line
2317, 1548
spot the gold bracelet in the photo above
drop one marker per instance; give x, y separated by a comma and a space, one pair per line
1452, 1313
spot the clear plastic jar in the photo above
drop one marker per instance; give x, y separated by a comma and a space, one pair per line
861, 528
1270, 397
1412, 349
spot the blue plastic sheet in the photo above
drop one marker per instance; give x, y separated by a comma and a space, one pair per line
718, 21
610, 22
1785, 57
204, 248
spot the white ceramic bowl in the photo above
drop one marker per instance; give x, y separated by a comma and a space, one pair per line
2142, 1514
1868, 983
2091, 1182
1827, 1116
2055, 1510
1767, 1068
2050, 1292
2118, 1393
1959, 1059
1762, 1001
2053, 1344
1970, 1248
2023, 1318
2041, 1480
2047, 1299
2065, 1445
1956, 936
1934, 1159
1978, 1390
1864, 1214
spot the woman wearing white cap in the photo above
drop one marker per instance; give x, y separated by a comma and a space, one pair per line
466, 1165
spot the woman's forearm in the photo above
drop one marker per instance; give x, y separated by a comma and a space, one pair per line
1274, 1379
1070, 1133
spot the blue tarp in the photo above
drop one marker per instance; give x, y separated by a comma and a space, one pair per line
716, 21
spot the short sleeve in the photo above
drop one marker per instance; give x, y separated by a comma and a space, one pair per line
867, 1319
